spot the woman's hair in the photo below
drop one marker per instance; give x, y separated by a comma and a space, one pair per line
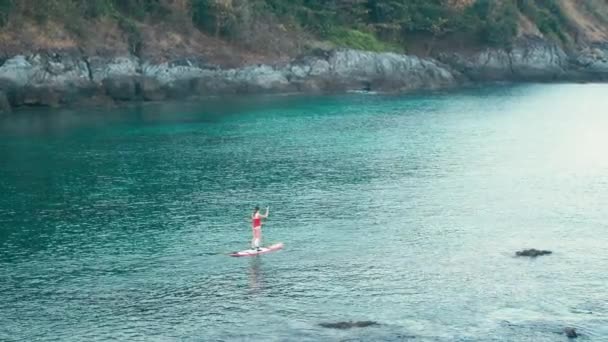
256, 209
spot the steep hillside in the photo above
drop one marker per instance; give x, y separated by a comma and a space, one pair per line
56, 52
248, 31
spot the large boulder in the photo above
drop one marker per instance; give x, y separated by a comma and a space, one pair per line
17, 70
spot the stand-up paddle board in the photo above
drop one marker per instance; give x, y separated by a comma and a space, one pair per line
253, 252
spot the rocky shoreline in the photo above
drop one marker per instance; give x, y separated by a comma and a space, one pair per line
58, 78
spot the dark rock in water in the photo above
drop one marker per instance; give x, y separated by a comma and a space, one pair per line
570, 332
150, 89
45, 96
532, 253
5, 106
348, 325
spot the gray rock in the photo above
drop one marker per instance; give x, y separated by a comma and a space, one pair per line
46, 96
349, 325
55, 70
486, 65
530, 59
388, 71
319, 67
119, 67
300, 71
535, 59
570, 332
169, 73
532, 253
150, 89
120, 88
260, 78
17, 69
50, 79
592, 62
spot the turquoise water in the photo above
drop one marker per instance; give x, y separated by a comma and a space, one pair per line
405, 210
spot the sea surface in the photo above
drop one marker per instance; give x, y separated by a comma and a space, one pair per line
406, 210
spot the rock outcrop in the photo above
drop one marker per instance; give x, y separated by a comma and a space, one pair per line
592, 62
67, 77
59, 78
533, 253
532, 59
570, 332
349, 325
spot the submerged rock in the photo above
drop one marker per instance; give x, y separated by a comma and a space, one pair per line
532, 253
348, 325
570, 332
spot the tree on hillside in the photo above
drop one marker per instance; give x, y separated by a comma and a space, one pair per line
388, 17
212, 15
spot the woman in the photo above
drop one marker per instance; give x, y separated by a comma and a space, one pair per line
256, 223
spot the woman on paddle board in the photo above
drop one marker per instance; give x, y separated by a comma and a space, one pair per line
256, 224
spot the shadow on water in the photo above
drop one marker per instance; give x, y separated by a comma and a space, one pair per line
43, 122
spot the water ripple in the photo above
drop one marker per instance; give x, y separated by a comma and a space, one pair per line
402, 210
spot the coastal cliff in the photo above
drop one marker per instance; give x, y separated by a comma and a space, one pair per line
52, 79
114, 60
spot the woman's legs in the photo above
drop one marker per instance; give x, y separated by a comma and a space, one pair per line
257, 237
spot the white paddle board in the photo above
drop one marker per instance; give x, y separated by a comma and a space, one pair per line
254, 252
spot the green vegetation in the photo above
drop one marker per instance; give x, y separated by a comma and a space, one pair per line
349, 38
547, 15
494, 22
6, 7
378, 25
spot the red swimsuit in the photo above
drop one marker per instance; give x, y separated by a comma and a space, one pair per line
256, 222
